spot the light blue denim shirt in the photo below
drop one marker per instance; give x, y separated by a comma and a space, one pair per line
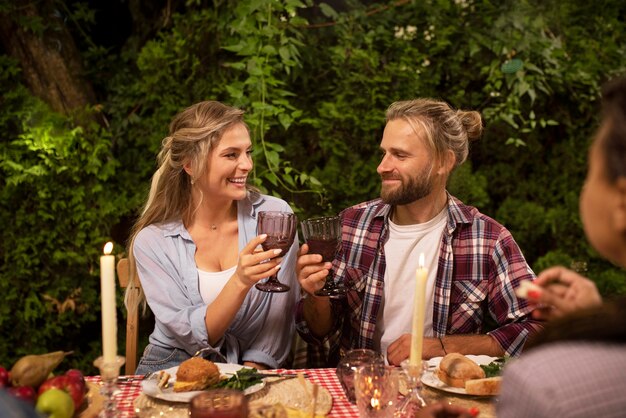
263, 327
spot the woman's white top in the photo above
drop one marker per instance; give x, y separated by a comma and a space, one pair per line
212, 282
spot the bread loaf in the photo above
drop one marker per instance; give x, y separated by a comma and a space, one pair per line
196, 373
455, 369
486, 386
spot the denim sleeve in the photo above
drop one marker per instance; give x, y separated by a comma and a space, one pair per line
179, 320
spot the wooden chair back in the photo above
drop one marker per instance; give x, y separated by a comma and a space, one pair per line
132, 321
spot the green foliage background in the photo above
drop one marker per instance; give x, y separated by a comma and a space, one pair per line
315, 82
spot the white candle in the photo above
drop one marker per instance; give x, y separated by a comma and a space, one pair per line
107, 296
419, 313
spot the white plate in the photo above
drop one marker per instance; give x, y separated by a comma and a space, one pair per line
429, 378
150, 388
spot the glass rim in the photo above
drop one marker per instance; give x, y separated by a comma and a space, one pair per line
319, 219
276, 213
235, 397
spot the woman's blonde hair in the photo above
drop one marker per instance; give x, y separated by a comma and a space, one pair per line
445, 128
193, 133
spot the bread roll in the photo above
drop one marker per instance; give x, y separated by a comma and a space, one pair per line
487, 386
455, 369
196, 373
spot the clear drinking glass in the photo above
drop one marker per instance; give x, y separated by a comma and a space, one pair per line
323, 236
348, 364
219, 403
280, 228
376, 388
413, 401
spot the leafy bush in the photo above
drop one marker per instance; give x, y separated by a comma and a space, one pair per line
57, 203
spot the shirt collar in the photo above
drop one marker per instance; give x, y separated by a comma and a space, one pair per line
251, 203
458, 213
382, 210
173, 228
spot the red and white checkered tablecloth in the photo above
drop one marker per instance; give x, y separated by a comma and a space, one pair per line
342, 408
328, 379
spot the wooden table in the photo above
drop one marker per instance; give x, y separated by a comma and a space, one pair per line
130, 395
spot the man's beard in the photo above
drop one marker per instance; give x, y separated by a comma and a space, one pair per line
414, 189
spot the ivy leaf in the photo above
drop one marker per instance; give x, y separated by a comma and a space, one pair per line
285, 120
328, 11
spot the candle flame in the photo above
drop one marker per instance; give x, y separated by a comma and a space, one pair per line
375, 400
420, 261
108, 247
375, 403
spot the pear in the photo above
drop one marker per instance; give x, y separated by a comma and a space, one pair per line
32, 370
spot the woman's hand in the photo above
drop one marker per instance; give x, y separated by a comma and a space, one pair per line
311, 270
254, 365
562, 292
254, 264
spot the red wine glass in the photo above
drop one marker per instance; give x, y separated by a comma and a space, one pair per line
280, 228
323, 236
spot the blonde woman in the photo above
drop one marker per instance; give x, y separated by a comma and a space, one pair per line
197, 255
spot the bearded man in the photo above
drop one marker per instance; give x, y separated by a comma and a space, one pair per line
474, 264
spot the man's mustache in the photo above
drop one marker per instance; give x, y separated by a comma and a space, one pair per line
389, 177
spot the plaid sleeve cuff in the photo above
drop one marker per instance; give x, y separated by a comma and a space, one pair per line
513, 336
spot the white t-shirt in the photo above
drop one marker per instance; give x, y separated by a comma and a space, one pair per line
402, 251
212, 283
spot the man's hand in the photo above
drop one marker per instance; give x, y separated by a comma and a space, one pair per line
312, 274
400, 349
562, 292
311, 270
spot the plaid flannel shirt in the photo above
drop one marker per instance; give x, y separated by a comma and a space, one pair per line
479, 267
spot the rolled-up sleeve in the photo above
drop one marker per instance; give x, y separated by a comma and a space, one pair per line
511, 313
162, 281
270, 325
272, 346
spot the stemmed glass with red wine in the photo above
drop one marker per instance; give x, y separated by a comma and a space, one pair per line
323, 236
280, 228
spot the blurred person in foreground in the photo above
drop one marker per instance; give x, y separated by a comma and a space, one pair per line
194, 249
474, 264
577, 366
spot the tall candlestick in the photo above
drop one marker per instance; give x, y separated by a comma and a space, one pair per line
419, 313
107, 296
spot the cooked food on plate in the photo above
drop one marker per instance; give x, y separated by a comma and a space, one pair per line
164, 378
196, 373
459, 371
455, 369
486, 386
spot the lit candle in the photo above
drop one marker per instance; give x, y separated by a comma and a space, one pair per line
419, 313
107, 296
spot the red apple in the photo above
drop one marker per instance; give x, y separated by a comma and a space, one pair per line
4, 378
78, 377
26, 393
68, 384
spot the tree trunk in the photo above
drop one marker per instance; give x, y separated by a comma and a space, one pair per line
50, 61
